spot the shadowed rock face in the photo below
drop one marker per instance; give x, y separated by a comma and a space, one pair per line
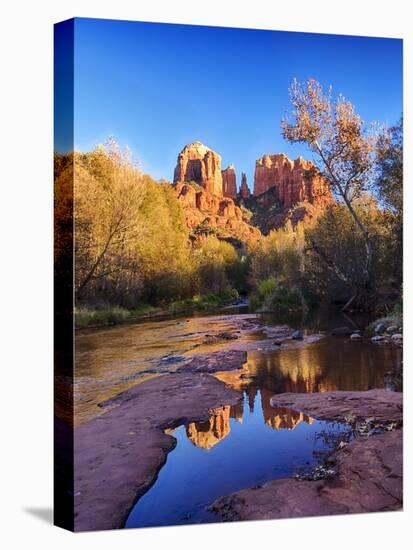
197, 162
244, 192
293, 181
229, 182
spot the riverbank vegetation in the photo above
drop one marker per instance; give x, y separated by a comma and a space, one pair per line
134, 254
356, 240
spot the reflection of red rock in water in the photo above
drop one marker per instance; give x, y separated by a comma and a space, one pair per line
280, 417
237, 412
251, 393
207, 434
299, 372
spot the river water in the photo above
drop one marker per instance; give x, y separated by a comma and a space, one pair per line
239, 446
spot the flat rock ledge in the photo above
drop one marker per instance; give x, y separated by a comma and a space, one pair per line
218, 361
369, 469
382, 405
369, 480
119, 454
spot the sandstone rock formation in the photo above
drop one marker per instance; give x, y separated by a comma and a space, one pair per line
197, 162
204, 210
292, 181
229, 182
284, 190
244, 192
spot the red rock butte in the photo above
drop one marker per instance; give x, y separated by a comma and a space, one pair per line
296, 186
244, 191
229, 182
197, 162
292, 181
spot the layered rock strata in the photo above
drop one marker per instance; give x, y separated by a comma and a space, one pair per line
293, 181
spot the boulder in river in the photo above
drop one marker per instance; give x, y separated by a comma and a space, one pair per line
380, 328
355, 336
297, 335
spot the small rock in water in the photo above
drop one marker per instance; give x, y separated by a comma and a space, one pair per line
377, 338
397, 337
277, 342
171, 359
297, 335
380, 328
341, 331
355, 336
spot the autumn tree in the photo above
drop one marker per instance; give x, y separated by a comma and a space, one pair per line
108, 192
332, 238
389, 188
344, 151
390, 167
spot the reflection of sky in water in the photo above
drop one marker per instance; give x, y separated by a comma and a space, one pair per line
227, 454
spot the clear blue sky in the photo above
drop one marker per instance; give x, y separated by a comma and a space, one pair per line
157, 87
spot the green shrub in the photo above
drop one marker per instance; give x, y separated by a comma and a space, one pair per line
273, 296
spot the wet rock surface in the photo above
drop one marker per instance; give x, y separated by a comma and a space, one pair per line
380, 405
215, 362
118, 455
368, 479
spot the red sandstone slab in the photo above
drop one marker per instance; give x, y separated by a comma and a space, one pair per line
118, 454
369, 480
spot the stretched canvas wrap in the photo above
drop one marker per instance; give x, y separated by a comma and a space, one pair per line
228, 274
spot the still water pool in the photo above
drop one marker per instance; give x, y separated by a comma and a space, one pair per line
239, 447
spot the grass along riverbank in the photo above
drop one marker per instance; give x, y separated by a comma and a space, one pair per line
88, 317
